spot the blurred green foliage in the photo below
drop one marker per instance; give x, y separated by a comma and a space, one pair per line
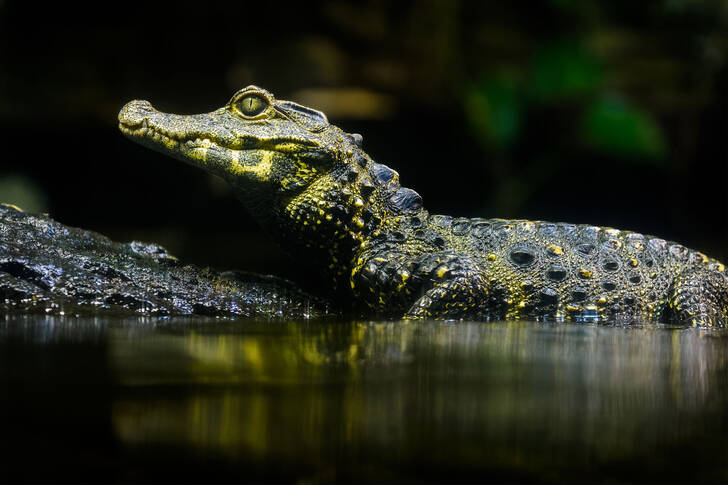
493, 108
564, 70
560, 74
613, 127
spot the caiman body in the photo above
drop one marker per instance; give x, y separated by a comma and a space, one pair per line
325, 201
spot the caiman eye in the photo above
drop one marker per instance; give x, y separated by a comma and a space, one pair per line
251, 105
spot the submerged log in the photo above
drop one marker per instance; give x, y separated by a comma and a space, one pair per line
47, 267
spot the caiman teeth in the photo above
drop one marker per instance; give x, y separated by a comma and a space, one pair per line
144, 130
162, 136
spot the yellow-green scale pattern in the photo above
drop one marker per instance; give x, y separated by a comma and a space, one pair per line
332, 207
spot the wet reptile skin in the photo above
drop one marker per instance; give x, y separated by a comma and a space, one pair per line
314, 189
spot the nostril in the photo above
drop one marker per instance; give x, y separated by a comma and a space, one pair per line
134, 112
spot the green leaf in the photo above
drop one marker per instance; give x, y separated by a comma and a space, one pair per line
494, 110
612, 127
564, 70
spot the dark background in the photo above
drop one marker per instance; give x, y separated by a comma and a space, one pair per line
605, 112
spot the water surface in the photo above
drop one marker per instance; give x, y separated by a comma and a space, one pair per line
220, 400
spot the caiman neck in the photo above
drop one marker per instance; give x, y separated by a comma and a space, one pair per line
327, 224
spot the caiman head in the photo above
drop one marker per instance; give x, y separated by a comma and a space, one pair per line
265, 148
306, 181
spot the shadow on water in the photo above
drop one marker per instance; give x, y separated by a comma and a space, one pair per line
220, 400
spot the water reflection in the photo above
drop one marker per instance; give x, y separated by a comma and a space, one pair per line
386, 400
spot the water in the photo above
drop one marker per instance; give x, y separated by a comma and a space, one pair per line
218, 400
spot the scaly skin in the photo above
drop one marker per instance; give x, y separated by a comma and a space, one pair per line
329, 204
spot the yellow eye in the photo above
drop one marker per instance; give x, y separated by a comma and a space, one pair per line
251, 105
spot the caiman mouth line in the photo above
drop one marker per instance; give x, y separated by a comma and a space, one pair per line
144, 130
171, 140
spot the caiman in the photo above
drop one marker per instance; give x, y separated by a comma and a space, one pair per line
314, 189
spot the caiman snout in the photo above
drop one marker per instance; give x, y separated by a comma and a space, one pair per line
135, 112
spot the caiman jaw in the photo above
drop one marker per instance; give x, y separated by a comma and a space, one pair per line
153, 133
201, 140
148, 134
170, 134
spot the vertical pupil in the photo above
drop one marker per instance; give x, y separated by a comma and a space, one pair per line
252, 105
